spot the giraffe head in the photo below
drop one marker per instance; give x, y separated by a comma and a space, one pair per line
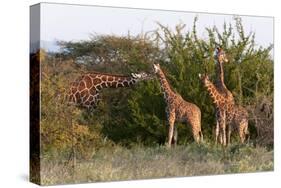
141, 76
204, 78
156, 68
220, 55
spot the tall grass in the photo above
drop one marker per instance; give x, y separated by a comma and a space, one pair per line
138, 162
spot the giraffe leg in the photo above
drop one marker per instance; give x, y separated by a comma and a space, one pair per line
217, 131
217, 127
243, 130
224, 135
222, 126
195, 132
246, 131
175, 136
196, 126
228, 134
171, 120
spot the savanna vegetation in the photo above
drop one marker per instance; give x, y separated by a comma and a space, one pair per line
124, 138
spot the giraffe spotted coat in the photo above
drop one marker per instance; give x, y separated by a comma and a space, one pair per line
177, 109
85, 90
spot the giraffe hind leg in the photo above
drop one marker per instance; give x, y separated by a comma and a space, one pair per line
243, 131
217, 132
171, 119
175, 136
196, 131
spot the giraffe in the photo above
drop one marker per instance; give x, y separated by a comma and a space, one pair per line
85, 90
220, 59
233, 115
238, 111
178, 109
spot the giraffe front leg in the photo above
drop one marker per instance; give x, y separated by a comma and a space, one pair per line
228, 134
171, 119
218, 136
217, 131
222, 128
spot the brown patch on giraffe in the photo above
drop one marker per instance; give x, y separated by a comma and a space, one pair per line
110, 79
96, 81
81, 86
92, 91
88, 81
104, 78
84, 93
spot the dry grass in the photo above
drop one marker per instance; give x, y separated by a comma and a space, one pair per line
141, 162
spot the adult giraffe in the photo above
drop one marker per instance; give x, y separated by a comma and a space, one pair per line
177, 109
222, 113
236, 117
233, 112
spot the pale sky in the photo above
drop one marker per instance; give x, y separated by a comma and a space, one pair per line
75, 22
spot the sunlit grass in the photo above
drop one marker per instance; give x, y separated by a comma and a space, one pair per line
138, 162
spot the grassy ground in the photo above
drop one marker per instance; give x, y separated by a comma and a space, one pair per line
141, 162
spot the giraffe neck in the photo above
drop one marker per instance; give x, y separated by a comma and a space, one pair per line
214, 93
115, 81
166, 89
220, 76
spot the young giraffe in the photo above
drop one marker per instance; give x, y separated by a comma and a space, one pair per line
237, 112
221, 113
233, 115
85, 91
178, 109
